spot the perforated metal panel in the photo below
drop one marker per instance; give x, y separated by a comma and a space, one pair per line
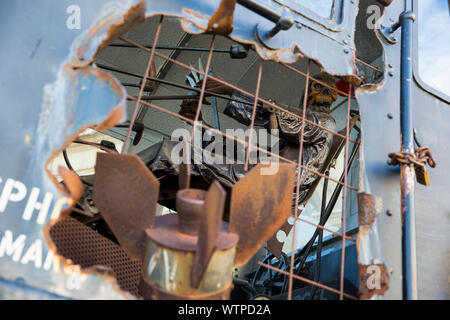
88, 248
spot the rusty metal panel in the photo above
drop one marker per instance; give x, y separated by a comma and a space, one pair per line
260, 204
126, 193
88, 248
306, 38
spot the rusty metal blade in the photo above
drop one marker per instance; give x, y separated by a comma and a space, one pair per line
126, 193
209, 231
260, 204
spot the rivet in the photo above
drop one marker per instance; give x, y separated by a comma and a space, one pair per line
346, 50
298, 25
389, 115
391, 74
390, 65
389, 213
345, 42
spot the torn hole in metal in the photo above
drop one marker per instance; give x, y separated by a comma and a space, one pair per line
254, 155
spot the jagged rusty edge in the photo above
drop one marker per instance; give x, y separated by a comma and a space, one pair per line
116, 24
363, 236
221, 21
369, 207
114, 117
385, 2
225, 13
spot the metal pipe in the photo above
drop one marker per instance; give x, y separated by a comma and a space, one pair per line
170, 83
409, 264
261, 9
184, 48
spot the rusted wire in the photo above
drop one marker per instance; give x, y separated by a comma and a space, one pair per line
312, 282
368, 65
344, 201
299, 165
345, 94
141, 90
299, 174
326, 229
269, 103
252, 123
240, 141
205, 79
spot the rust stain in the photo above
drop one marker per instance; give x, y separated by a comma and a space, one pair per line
72, 182
385, 2
373, 279
369, 207
134, 16
221, 22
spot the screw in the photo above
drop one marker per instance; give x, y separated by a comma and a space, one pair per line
389, 115
391, 74
346, 50
390, 65
345, 42
389, 213
298, 25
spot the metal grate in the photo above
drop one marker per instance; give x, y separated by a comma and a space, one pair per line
70, 232
88, 248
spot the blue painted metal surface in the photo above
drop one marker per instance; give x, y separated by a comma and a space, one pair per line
407, 172
49, 93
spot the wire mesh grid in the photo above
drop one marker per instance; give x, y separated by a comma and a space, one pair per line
139, 101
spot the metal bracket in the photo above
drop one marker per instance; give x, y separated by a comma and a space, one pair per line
388, 32
283, 21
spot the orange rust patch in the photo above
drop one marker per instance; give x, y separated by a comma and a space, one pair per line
373, 279
221, 21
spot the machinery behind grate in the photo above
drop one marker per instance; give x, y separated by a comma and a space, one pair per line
76, 241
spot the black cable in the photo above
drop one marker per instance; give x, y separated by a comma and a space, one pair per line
320, 240
304, 252
66, 159
330, 207
92, 144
